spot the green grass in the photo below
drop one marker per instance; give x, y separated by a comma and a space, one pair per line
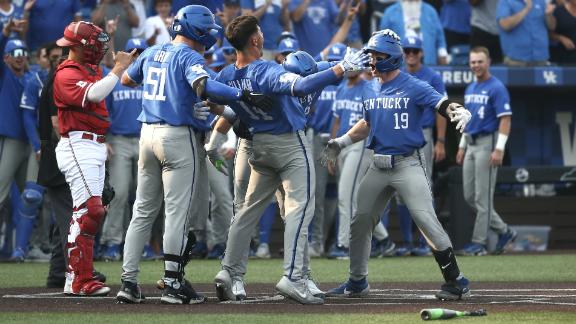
526, 268
61, 318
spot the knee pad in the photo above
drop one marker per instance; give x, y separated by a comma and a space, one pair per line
31, 199
90, 222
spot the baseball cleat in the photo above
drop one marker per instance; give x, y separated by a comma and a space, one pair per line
454, 290
180, 293
350, 288
223, 283
297, 290
238, 289
130, 293
313, 287
504, 240
472, 249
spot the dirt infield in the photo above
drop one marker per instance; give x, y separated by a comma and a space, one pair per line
393, 297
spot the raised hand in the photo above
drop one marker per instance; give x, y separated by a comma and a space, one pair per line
460, 115
123, 59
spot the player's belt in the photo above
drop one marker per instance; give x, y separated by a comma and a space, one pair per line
89, 136
472, 139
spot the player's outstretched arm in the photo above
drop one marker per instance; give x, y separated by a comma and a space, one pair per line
352, 62
220, 93
454, 112
357, 133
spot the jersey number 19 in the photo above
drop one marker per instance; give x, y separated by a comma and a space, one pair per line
401, 122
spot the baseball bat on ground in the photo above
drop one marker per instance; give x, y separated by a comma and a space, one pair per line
441, 313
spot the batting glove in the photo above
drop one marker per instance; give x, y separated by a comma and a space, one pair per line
460, 115
201, 110
257, 100
217, 161
354, 61
333, 148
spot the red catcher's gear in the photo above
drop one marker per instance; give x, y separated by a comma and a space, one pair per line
88, 36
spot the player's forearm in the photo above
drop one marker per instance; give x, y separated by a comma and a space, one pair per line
222, 126
219, 92
101, 89
441, 125
316, 81
505, 125
55, 126
299, 12
258, 13
29, 121
359, 131
127, 81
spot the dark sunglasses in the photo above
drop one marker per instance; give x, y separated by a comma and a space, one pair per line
19, 52
414, 51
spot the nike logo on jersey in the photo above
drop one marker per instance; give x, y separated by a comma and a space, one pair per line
398, 93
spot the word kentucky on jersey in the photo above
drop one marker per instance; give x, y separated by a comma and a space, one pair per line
127, 94
476, 99
386, 103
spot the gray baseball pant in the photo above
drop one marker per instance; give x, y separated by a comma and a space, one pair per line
409, 179
479, 181
168, 165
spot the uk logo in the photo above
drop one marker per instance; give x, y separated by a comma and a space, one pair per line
550, 77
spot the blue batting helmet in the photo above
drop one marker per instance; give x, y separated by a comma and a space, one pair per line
300, 63
388, 42
196, 23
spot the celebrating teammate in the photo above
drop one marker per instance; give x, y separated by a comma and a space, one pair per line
79, 93
392, 124
482, 150
281, 155
174, 79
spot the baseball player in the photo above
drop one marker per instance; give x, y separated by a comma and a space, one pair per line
79, 93
481, 151
414, 54
392, 127
124, 106
168, 157
280, 156
353, 160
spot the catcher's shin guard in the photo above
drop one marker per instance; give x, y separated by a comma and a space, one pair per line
81, 252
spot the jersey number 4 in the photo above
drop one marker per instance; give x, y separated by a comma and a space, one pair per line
155, 81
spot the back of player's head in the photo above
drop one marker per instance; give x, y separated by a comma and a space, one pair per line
196, 23
386, 42
287, 46
336, 52
300, 63
240, 30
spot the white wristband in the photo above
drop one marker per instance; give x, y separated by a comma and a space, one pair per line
462, 144
216, 140
344, 140
501, 142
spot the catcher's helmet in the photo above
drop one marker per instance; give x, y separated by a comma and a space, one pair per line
388, 42
196, 23
300, 63
88, 36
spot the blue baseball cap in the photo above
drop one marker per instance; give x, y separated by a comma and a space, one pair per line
336, 52
138, 43
14, 47
211, 50
288, 45
412, 42
218, 59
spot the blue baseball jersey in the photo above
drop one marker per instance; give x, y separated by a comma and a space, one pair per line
47, 20
33, 85
11, 88
394, 114
167, 72
487, 101
348, 105
271, 79
321, 119
124, 105
430, 76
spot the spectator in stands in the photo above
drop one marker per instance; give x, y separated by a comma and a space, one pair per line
140, 10
484, 28
563, 31
156, 27
524, 31
354, 38
455, 17
9, 10
127, 19
274, 19
414, 16
213, 5
314, 23
47, 19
